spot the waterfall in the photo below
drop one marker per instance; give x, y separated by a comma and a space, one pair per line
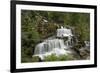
49, 45
54, 45
64, 32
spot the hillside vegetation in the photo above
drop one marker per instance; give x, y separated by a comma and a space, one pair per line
38, 25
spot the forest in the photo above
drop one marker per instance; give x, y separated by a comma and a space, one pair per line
36, 26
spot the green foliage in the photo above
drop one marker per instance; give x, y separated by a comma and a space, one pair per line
26, 54
53, 57
35, 59
66, 57
34, 29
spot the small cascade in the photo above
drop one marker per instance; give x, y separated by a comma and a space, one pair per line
64, 32
54, 45
49, 45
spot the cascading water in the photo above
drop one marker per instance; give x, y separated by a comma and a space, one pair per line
54, 45
63, 32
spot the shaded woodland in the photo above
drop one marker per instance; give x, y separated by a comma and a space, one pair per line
39, 25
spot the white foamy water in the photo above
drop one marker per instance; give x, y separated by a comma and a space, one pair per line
54, 46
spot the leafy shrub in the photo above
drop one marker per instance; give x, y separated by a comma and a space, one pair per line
66, 57
53, 57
